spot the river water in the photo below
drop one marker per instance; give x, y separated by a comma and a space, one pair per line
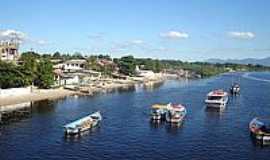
126, 132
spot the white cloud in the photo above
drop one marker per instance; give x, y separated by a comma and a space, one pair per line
11, 34
137, 41
20, 37
242, 35
174, 35
41, 42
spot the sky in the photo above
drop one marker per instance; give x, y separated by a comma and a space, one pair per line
190, 30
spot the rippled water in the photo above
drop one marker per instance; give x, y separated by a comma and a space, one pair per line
126, 132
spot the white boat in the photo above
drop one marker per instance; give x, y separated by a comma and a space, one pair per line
158, 111
217, 99
83, 124
260, 130
176, 113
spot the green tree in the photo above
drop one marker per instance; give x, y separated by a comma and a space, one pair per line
57, 55
77, 55
127, 65
10, 76
45, 74
29, 54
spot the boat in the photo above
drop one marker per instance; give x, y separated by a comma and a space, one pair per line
176, 113
158, 111
260, 130
217, 99
83, 124
235, 89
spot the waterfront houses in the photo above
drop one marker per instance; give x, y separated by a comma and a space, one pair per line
73, 72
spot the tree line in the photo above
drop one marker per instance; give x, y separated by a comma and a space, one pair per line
33, 70
37, 69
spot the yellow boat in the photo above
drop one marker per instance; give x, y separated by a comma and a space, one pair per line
158, 111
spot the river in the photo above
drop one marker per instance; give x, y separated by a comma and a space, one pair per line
126, 132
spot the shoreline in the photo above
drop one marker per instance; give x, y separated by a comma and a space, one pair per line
89, 90
37, 95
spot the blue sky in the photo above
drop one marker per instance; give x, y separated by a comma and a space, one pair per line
186, 30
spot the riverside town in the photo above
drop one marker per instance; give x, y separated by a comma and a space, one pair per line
129, 80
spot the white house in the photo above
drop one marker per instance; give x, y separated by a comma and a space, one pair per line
144, 73
74, 65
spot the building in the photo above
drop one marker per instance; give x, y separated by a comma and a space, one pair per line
9, 51
144, 73
75, 65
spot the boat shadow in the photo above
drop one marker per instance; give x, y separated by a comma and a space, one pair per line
156, 123
214, 111
174, 128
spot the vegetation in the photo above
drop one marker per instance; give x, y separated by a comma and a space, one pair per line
38, 70
126, 65
34, 70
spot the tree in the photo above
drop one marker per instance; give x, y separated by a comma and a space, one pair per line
30, 68
127, 65
29, 54
107, 57
10, 76
45, 74
77, 55
48, 56
57, 55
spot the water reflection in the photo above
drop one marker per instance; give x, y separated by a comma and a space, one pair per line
15, 112
151, 86
174, 128
44, 106
156, 123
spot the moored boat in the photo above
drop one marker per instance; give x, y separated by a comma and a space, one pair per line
235, 89
260, 130
158, 111
83, 124
217, 99
176, 113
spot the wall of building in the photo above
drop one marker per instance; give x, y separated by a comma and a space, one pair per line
9, 51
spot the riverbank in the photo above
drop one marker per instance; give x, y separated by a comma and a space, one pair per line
95, 88
36, 95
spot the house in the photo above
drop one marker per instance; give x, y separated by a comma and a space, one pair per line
75, 65
62, 78
9, 51
144, 73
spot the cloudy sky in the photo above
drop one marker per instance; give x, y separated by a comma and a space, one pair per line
180, 29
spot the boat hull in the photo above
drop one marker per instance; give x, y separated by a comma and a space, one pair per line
260, 138
217, 104
258, 131
172, 117
85, 124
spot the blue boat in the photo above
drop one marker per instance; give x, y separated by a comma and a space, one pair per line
83, 124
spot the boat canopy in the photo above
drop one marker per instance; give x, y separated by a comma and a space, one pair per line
178, 107
261, 124
218, 93
159, 106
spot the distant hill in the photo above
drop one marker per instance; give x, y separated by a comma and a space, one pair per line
263, 61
